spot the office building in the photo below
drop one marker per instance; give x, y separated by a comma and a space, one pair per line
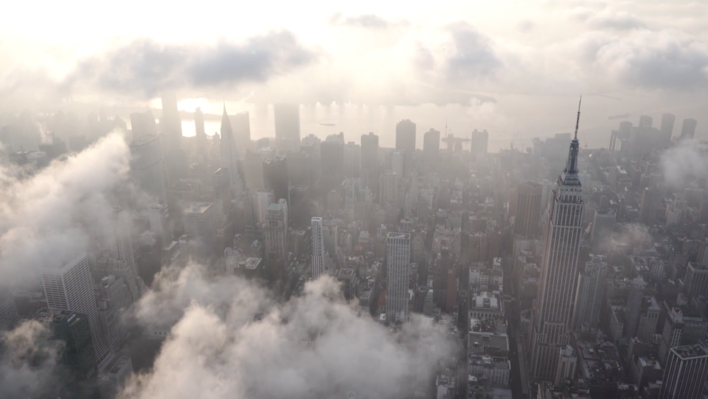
370, 162
388, 190
651, 200
688, 129
8, 309
479, 144
276, 233
200, 221
262, 200
142, 124
332, 162
696, 280
398, 259
229, 155
559, 269
589, 294
634, 307
352, 159
200, 138
648, 319
287, 127
74, 330
241, 126
528, 208
253, 165
431, 146
685, 373
275, 176
121, 252
645, 121
146, 166
667, 129
318, 248
405, 136
603, 224
70, 287
171, 123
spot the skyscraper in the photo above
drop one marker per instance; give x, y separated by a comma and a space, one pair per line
146, 166
253, 168
667, 128
287, 126
229, 155
318, 248
142, 124
8, 310
688, 129
275, 176
431, 146
262, 200
352, 158
370, 162
200, 136
589, 293
398, 258
241, 125
332, 162
199, 220
559, 269
121, 252
405, 136
388, 189
74, 330
276, 233
70, 287
634, 307
479, 144
685, 373
528, 208
645, 121
171, 123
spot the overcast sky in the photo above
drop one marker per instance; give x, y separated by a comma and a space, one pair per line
506, 66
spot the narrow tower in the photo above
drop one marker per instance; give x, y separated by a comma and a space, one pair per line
554, 304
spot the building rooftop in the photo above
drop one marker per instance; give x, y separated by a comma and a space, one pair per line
197, 207
690, 351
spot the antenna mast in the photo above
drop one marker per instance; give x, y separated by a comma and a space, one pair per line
577, 121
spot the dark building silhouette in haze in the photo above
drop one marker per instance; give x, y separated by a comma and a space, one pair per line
146, 165
528, 207
370, 162
688, 129
287, 126
332, 162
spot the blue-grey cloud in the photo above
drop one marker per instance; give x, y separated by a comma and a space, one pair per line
147, 67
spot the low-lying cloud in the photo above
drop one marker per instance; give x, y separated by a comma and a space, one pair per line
314, 346
685, 161
49, 217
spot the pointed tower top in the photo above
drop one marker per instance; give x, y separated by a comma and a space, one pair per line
577, 121
225, 124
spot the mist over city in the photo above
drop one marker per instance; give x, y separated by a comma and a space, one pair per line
448, 200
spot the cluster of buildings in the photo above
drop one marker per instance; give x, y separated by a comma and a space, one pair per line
561, 273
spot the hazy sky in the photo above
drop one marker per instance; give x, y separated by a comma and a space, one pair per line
506, 66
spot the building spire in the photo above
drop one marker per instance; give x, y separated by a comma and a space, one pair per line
577, 121
225, 124
570, 174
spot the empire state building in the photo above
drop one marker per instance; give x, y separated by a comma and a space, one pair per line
559, 269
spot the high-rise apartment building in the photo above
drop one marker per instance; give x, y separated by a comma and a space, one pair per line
559, 269
528, 208
634, 307
275, 175
199, 220
70, 287
685, 373
318, 248
121, 252
74, 330
398, 259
